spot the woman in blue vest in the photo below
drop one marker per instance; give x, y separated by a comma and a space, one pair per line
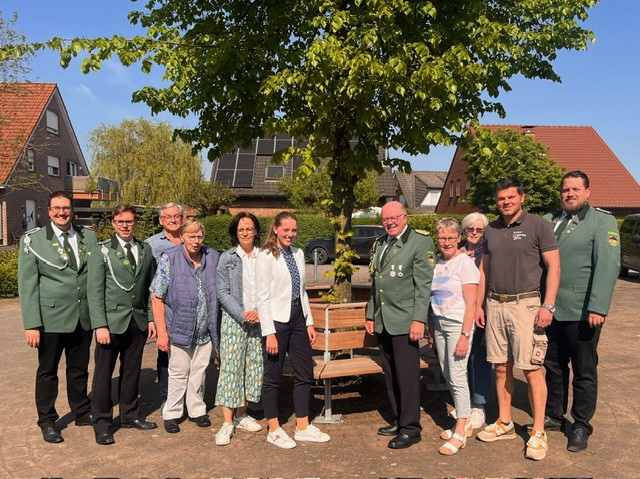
185, 308
240, 379
287, 326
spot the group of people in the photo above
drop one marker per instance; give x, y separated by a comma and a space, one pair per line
521, 291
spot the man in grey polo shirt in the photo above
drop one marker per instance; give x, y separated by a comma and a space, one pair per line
521, 252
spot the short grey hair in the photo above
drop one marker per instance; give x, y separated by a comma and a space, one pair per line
447, 223
171, 205
472, 218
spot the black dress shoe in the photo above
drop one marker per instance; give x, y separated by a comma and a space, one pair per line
104, 438
390, 430
171, 426
201, 421
139, 424
550, 424
402, 441
51, 434
579, 440
84, 420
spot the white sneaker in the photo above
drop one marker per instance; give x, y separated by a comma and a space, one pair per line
247, 423
312, 434
477, 417
223, 436
281, 439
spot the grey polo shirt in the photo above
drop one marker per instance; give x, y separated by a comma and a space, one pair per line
515, 252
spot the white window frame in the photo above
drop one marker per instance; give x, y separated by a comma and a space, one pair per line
273, 178
52, 122
71, 165
458, 187
53, 166
31, 160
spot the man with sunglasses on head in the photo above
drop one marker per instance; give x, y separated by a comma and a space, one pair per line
171, 217
52, 282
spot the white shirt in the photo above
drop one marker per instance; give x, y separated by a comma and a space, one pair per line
134, 247
562, 217
73, 239
447, 298
249, 293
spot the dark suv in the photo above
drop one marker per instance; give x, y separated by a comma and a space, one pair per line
630, 244
361, 242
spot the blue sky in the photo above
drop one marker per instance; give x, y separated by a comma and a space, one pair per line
599, 87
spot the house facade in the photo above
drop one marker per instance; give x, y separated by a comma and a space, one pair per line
420, 191
574, 148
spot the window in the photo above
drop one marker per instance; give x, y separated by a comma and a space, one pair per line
53, 166
451, 189
468, 184
457, 187
52, 122
72, 168
274, 172
31, 160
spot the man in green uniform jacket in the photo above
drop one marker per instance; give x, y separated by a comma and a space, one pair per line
52, 279
590, 260
120, 273
402, 264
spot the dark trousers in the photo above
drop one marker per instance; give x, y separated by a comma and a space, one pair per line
76, 347
480, 372
572, 342
128, 346
162, 365
401, 366
294, 340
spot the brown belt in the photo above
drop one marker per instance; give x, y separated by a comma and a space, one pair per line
507, 298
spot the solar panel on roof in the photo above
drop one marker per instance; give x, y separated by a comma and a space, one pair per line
244, 179
224, 177
282, 144
265, 146
246, 161
227, 162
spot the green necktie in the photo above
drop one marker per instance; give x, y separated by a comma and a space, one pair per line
387, 249
130, 257
67, 248
562, 227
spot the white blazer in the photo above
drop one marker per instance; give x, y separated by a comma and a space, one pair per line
273, 284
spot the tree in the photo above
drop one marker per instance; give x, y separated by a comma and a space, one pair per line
404, 74
207, 197
148, 165
312, 193
494, 155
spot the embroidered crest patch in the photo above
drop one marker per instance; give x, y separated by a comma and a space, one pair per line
613, 238
431, 257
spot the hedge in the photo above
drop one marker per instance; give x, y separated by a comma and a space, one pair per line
9, 273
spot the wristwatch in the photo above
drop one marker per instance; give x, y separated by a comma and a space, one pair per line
466, 335
550, 307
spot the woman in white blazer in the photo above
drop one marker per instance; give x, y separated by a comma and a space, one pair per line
287, 328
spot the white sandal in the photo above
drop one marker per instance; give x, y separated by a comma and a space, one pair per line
448, 449
447, 434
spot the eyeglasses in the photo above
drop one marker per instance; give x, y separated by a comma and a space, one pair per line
123, 222
392, 219
195, 237
58, 209
448, 240
248, 231
471, 229
171, 217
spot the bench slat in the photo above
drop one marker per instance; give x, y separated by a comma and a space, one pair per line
345, 340
358, 366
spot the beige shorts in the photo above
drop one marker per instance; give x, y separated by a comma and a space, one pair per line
509, 332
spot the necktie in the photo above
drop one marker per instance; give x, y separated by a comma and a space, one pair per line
130, 257
561, 227
67, 248
293, 271
387, 249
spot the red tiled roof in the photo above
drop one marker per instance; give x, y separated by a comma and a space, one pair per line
21, 105
581, 148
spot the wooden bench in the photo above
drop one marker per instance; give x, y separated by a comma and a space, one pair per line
340, 327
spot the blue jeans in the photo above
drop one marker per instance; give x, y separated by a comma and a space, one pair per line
480, 374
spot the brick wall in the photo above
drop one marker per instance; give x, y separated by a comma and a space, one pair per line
450, 202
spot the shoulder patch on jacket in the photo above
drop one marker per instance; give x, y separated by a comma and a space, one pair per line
33, 230
103, 242
603, 211
423, 232
613, 238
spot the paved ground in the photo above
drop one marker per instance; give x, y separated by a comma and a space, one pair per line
355, 449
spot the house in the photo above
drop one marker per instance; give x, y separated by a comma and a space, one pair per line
254, 179
573, 148
420, 191
39, 153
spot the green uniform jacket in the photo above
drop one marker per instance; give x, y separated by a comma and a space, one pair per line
401, 286
53, 296
590, 262
111, 305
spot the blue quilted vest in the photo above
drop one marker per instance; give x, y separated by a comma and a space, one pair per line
182, 297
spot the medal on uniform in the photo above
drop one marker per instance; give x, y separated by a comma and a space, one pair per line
400, 273
392, 273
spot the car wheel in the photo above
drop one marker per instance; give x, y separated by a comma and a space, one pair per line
624, 272
321, 253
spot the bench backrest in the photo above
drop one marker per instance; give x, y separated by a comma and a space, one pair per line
340, 326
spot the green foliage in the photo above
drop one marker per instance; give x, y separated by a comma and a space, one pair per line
149, 166
494, 155
13, 68
9, 273
207, 197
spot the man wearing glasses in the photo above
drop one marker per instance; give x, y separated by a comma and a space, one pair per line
52, 282
401, 268
120, 272
171, 218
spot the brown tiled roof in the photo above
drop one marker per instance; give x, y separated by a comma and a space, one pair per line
581, 148
433, 179
21, 106
387, 183
414, 186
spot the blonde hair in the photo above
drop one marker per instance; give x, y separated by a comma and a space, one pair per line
271, 243
191, 226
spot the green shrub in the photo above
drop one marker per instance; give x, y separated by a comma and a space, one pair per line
9, 273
